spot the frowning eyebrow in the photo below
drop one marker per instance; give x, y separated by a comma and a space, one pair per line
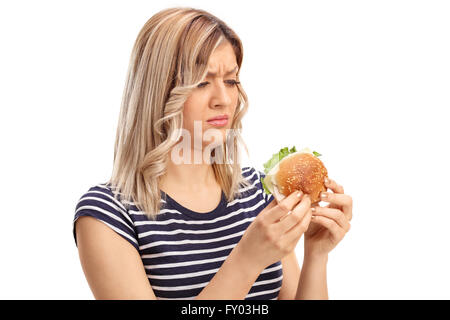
214, 74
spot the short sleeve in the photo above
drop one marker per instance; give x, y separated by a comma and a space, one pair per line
99, 202
254, 178
267, 197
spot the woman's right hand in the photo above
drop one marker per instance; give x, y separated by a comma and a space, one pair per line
276, 230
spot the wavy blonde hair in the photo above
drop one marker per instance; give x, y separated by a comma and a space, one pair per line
169, 59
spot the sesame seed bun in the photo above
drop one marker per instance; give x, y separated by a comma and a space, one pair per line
301, 171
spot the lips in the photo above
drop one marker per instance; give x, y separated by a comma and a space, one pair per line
218, 121
222, 117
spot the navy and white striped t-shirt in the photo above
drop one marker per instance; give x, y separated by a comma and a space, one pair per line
182, 250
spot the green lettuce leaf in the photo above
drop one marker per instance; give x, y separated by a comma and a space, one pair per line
277, 157
264, 186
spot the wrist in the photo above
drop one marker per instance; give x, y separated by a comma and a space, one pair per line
312, 284
316, 257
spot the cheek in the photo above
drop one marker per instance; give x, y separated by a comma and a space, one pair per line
192, 110
187, 121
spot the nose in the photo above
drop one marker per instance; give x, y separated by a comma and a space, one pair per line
221, 96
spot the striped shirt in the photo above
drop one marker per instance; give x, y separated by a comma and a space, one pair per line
182, 249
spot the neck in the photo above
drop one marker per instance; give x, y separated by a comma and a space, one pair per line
188, 175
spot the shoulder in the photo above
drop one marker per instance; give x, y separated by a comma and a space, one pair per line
100, 202
100, 198
251, 173
253, 177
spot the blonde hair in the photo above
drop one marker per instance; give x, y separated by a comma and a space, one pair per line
169, 59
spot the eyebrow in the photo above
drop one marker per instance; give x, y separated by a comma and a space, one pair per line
213, 74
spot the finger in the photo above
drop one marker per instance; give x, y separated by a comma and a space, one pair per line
333, 185
283, 207
296, 232
343, 201
295, 217
336, 231
337, 215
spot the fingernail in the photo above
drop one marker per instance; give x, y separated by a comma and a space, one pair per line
313, 209
327, 181
323, 195
299, 194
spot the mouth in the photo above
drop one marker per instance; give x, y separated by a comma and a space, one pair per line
218, 121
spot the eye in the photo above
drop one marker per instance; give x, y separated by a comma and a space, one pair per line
203, 84
233, 82
229, 82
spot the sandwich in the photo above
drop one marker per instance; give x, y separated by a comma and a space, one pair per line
289, 170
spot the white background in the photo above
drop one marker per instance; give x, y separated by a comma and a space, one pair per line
365, 83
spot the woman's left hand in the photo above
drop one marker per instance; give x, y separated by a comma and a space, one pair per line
329, 224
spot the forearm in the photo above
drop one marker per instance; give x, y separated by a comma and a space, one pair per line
313, 279
233, 280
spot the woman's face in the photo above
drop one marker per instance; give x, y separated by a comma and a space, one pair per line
217, 95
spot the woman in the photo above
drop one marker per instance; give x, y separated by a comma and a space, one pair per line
179, 218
